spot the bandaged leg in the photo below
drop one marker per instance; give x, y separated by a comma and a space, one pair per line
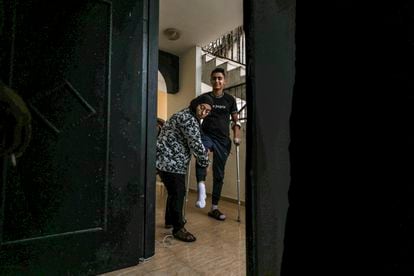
201, 201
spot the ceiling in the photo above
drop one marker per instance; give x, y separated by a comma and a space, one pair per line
199, 22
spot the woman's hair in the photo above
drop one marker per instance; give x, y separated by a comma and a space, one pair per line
202, 99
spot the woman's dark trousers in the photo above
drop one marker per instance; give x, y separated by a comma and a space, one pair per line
175, 184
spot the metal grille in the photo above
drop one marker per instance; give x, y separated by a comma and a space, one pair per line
239, 93
231, 46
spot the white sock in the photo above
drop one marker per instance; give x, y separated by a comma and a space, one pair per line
215, 207
201, 201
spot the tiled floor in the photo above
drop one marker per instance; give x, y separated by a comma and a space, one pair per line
219, 249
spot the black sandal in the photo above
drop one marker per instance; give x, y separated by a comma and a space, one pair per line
217, 214
184, 235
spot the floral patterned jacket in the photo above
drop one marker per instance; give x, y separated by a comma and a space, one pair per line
179, 138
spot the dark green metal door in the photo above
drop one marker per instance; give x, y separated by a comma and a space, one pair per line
79, 200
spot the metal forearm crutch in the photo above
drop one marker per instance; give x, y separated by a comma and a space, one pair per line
238, 180
187, 188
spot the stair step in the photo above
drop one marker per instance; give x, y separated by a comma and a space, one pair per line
231, 66
224, 65
242, 71
205, 88
234, 77
207, 58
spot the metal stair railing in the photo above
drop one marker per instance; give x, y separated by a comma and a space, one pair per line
231, 45
239, 93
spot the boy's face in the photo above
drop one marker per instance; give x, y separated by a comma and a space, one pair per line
217, 81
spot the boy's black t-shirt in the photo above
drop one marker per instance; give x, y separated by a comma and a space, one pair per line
216, 124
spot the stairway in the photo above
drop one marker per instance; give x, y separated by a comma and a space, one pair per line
235, 73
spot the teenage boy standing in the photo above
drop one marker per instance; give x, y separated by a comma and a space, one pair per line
216, 139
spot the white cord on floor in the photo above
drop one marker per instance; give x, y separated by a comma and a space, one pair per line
166, 241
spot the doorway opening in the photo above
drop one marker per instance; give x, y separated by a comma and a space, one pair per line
204, 38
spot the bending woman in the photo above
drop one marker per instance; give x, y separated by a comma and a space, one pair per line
179, 138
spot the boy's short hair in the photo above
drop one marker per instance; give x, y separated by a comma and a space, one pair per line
218, 70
